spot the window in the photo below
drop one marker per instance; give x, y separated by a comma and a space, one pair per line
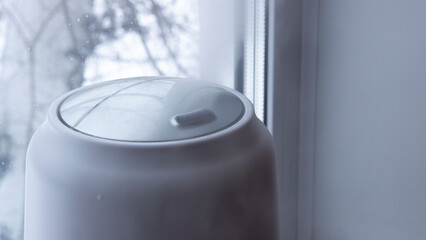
255, 54
48, 47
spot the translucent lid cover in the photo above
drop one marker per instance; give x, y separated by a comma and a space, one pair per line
151, 109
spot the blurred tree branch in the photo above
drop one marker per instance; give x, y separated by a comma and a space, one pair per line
164, 23
131, 23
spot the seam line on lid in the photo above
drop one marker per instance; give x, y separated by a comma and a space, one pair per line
108, 97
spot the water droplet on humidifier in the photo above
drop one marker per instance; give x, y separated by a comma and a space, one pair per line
99, 197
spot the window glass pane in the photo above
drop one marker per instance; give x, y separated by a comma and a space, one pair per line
143, 38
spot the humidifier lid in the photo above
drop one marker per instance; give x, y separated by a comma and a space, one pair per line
151, 109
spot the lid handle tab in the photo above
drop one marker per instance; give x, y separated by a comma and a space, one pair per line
199, 116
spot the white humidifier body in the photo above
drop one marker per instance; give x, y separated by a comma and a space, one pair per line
151, 159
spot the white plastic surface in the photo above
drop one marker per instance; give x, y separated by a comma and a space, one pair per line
146, 109
216, 186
